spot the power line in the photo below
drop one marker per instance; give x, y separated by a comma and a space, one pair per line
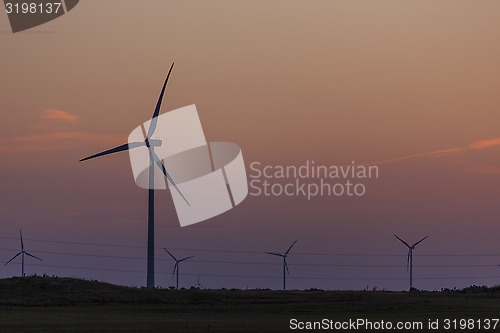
75, 243
251, 262
266, 277
256, 263
260, 252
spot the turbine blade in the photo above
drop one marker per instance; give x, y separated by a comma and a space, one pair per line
419, 241
402, 241
127, 146
175, 268
28, 254
21, 235
290, 247
14, 257
286, 266
165, 172
154, 119
171, 254
274, 254
186, 258
408, 260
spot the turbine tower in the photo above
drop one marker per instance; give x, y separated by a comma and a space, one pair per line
154, 160
22, 253
409, 262
285, 266
176, 267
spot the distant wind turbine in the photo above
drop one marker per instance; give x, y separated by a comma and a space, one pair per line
22, 253
176, 267
198, 285
285, 266
409, 262
154, 160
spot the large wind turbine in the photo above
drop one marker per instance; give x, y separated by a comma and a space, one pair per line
409, 262
176, 267
285, 266
150, 143
22, 253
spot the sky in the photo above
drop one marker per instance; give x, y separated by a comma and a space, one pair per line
408, 86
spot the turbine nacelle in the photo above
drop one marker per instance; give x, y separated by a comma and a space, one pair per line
153, 143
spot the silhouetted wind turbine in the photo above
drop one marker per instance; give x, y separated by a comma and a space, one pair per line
409, 262
153, 160
176, 267
198, 285
22, 253
285, 266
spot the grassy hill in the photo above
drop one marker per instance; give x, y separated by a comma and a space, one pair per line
44, 304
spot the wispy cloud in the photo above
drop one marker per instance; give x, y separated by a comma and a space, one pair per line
55, 114
483, 144
475, 145
49, 135
435, 153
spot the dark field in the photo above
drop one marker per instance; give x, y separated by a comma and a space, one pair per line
37, 304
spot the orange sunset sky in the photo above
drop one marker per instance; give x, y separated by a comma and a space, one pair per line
411, 86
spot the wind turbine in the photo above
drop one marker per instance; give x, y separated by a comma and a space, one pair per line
150, 143
176, 267
22, 253
409, 262
285, 266
198, 285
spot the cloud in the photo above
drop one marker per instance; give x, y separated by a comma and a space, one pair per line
55, 114
55, 137
436, 153
483, 144
475, 145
